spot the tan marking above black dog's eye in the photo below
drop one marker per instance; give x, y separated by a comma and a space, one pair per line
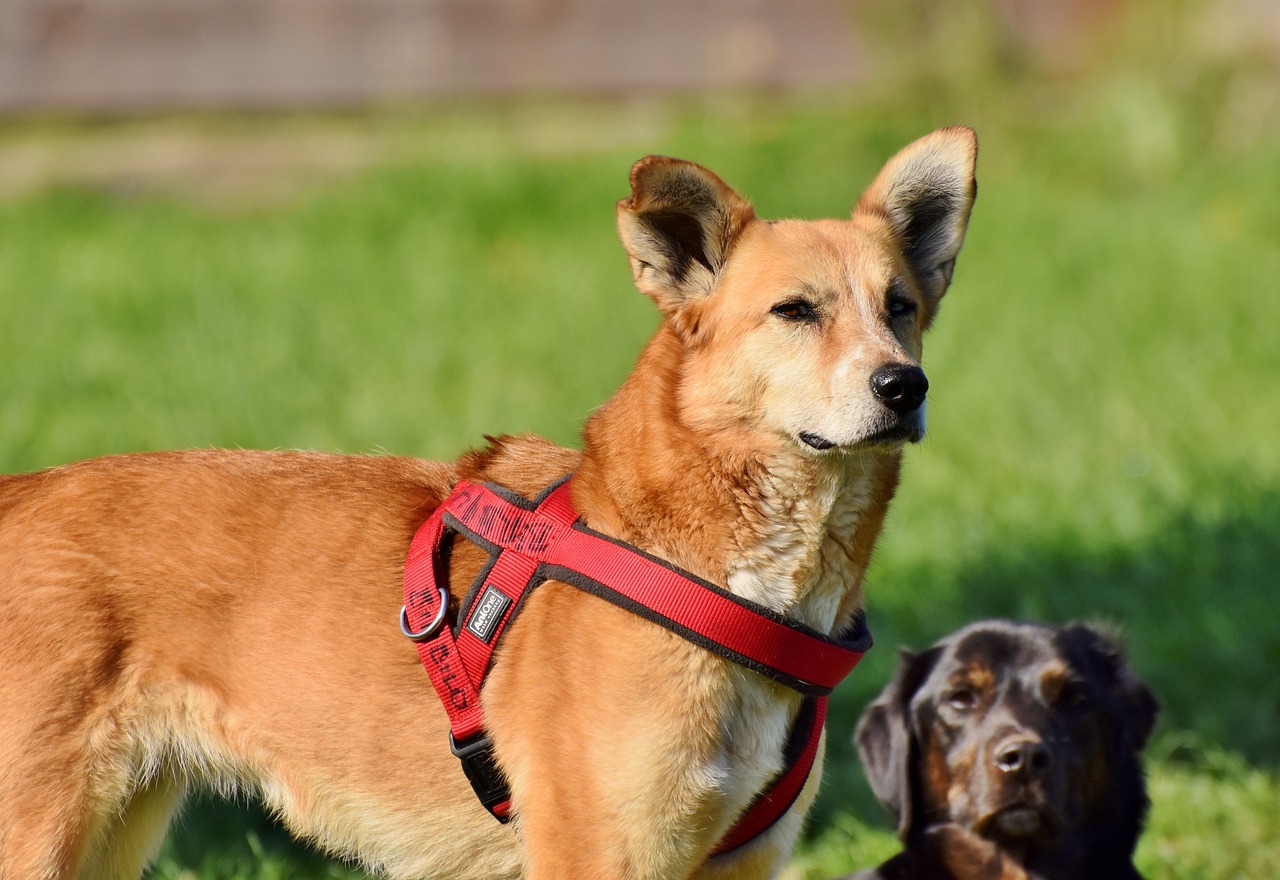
796, 310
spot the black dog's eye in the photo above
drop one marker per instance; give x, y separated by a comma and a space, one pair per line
1073, 696
961, 699
796, 310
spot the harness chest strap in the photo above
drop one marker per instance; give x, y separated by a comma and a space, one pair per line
531, 542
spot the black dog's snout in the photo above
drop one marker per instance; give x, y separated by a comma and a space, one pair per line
901, 387
1022, 755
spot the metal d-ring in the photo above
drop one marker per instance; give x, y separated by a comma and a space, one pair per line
431, 627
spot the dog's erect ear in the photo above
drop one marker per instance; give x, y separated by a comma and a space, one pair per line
886, 740
926, 193
678, 228
1141, 708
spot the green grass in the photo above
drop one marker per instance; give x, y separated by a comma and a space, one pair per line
1105, 383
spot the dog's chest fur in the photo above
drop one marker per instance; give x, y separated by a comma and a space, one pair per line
796, 552
797, 558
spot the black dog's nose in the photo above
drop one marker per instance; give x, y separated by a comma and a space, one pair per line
1022, 754
901, 387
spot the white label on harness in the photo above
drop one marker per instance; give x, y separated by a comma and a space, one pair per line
487, 613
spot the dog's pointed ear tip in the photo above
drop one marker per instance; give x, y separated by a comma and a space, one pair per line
961, 132
960, 137
644, 169
955, 144
643, 164
653, 159
641, 173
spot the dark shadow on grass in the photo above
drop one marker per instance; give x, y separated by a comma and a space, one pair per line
215, 838
1198, 604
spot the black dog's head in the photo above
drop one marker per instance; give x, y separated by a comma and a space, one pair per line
1027, 735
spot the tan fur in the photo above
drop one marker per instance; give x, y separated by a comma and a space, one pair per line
227, 619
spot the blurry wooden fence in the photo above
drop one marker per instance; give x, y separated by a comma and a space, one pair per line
122, 55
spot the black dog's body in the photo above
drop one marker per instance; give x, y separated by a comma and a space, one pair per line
1011, 751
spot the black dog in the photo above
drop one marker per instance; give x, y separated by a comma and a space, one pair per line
1011, 751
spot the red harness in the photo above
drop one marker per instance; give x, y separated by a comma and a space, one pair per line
532, 542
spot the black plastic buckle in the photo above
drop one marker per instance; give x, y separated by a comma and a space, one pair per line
490, 786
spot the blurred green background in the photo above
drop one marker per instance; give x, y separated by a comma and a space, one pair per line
1105, 382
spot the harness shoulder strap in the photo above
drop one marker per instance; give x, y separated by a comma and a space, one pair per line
531, 542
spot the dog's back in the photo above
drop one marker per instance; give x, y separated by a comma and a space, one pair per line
135, 595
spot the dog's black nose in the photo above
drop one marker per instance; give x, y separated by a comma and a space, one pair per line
901, 387
1022, 755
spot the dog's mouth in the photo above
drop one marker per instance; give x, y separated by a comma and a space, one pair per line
893, 435
911, 431
815, 441
1017, 821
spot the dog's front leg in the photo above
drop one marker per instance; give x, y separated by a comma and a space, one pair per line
765, 856
656, 831
607, 728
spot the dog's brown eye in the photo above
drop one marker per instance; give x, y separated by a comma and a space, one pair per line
961, 699
1073, 696
796, 310
901, 307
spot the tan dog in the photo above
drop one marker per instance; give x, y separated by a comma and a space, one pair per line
228, 619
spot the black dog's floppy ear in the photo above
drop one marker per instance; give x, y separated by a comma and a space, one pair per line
886, 741
1146, 708
1141, 706
678, 228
